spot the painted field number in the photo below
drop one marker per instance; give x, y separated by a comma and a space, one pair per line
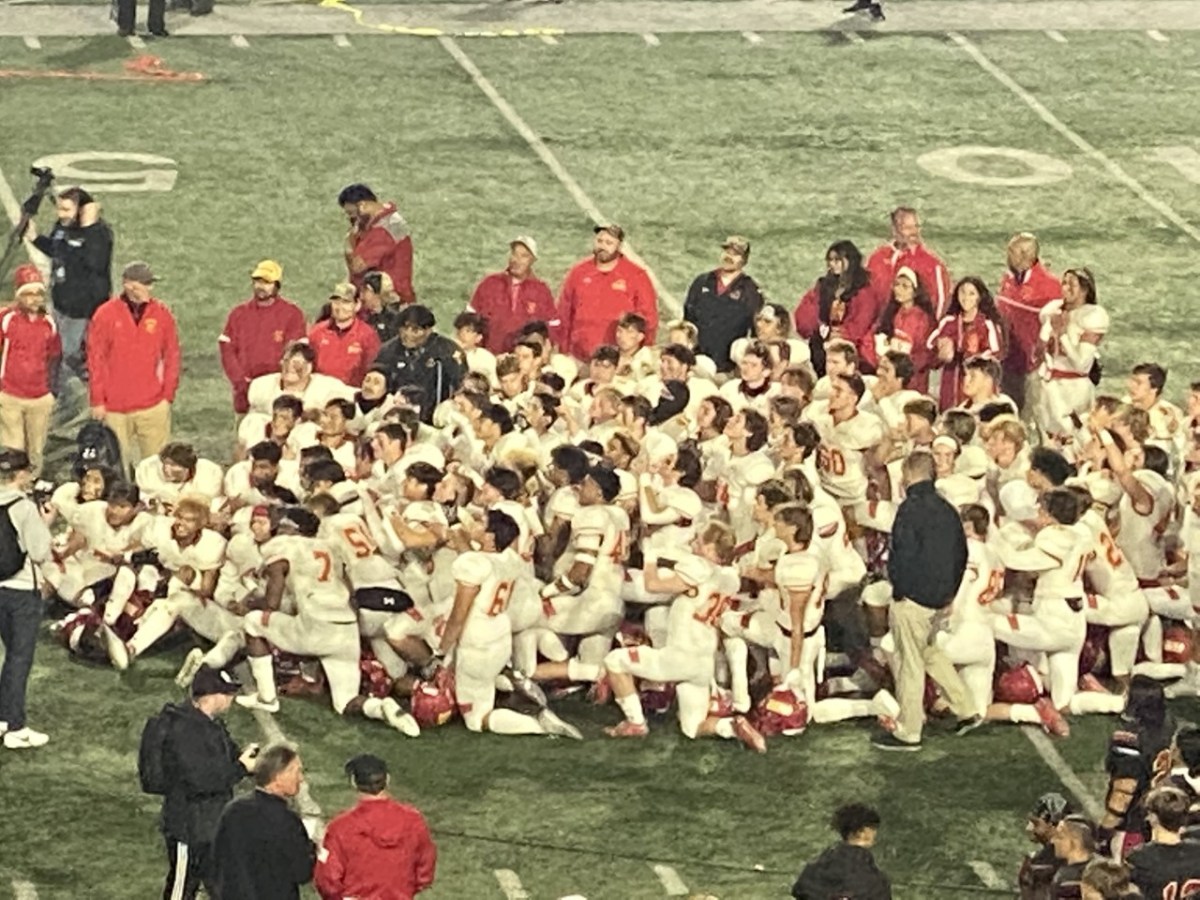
104, 172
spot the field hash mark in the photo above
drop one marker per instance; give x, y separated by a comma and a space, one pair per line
510, 883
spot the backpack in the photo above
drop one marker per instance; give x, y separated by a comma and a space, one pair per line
96, 447
153, 767
12, 557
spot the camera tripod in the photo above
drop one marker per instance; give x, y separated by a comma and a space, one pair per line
29, 209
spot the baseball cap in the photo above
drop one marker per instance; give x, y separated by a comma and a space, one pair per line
12, 460
1051, 808
28, 278
527, 242
612, 228
139, 272
906, 272
738, 244
268, 270
343, 290
367, 771
208, 681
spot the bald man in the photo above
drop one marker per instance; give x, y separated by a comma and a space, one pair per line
1026, 287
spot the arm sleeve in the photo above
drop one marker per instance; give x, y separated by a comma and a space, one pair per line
300, 855
201, 770
43, 243
330, 868
370, 349
373, 248
566, 314
808, 314
297, 327
646, 303
171, 359
689, 303
230, 358
904, 556
98, 346
96, 253
35, 536
426, 856
402, 270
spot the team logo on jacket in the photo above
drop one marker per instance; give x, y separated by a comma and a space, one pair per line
151, 324
735, 295
278, 336
354, 349
619, 284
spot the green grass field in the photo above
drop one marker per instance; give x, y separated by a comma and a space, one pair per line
797, 142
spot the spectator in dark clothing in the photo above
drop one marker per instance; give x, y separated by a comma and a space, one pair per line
1185, 775
926, 561
380, 848
1074, 844
262, 851
722, 304
1035, 881
1108, 879
422, 360
847, 870
1162, 867
80, 248
204, 766
380, 305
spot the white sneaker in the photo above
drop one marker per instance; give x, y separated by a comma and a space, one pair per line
24, 739
556, 727
1184, 687
191, 664
399, 719
252, 701
118, 651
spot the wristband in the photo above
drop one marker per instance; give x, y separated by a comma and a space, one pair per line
1106, 439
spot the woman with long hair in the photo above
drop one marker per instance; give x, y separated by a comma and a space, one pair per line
904, 325
843, 303
971, 327
1072, 329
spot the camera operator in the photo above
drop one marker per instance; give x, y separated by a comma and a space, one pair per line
80, 248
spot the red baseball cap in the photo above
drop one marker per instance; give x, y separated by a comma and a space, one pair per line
28, 278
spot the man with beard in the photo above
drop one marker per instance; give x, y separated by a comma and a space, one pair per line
598, 290
257, 332
30, 348
378, 240
906, 250
723, 303
513, 297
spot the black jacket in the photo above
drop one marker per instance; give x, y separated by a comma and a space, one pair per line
435, 368
262, 851
81, 273
202, 764
842, 872
928, 551
722, 318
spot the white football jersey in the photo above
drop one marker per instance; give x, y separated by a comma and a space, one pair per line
365, 567
602, 532
841, 454
736, 488
319, 391
1189, 536
982, 585
65, 501
1075, 351
742, 397
528, 525
91, 523
316, 577
832, 540
1108, 571
1070, 550
204, 554
563, 504
239, 576
803, 570
495, 574
695, 616
206, 483
1141, 537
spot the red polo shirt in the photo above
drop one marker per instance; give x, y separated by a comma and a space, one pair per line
509, 304
591, 301
30, 348
386, 246
931, 272
346, 354
133, 364
1020, 300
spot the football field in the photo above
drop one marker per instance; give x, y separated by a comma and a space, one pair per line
1089, 139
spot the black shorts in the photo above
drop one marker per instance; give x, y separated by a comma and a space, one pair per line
382, 599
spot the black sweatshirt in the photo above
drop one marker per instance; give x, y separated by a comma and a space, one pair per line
721, 317
202, 763
842, 872
928, 551
262, 851
81, 273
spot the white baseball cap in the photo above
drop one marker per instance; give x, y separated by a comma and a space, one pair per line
527, 242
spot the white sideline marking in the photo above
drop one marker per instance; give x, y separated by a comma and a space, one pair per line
538, 146
1066, 131
753, 37
854, 37
136, 42
32, 42
548, 39
24, 890
986, 874
274, 735
239, 40
12, 208
1051, 757
651, 39
341, 40
511, 884
671, 881
1056, 36
1155, 35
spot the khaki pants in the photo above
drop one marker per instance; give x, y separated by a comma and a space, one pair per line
918, 654
149, 428
24, 425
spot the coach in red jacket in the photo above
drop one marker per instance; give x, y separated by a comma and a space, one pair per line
30, 352
133, 365
513, 297
906, 250
381, 849
378, 240
1026, 287
345, 345
598, 291
257, 332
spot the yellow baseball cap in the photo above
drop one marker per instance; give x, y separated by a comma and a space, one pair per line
268, 270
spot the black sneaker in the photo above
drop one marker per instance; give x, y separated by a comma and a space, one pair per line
876, 12
888, 741
966, 726
162, 32
124, 32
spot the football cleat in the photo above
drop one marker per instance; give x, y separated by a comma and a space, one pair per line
1090, 683
252, 701
118, 651
628, 729
399, 719
600, 693
750, 736
191, 664
886, 741
876, 12
1052, 720
1184, 687
556, 727
527, 687
967, 725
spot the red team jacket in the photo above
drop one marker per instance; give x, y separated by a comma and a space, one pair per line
862, 312
253, 342
591, 301
132, 365
346, 355
379, 850
386, 246
911, 329
1020, 300
979, 337
931, 272
508, 304
30, 348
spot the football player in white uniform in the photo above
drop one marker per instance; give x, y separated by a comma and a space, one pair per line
1072, 329
177, 472
847, 434
743, 470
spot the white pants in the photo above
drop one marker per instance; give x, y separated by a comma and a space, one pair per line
335, 644
1060, 638
475, 671
691, 673
1060, 398
972, 648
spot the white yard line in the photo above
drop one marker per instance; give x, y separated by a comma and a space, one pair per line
510, 883
341, 40
1155, 35
274, 735
136, 42
671, 881
538, 146
239, 41
1113, 169
1056, 36
1051, 757
753, 37
32, 42
548, 39
12, 208
24, 890
854, 37
987, 874
651, 39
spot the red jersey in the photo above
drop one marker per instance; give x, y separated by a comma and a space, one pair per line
591, 301
386, 246
30, 348
931, 272
1020, 300
910, 334
253, 342
979, 337
509, 304
379, 850
133, 362
346, 354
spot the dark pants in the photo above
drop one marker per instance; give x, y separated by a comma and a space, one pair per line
190, 865
20, 615
155, 18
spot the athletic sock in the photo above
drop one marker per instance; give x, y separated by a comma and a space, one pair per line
738, 655
839, 709
372, 708
263, 670
1091, 702
1024, 713
388, 658
1152, 639
156, 622
632, 707
505, 721
581, 671
724, 729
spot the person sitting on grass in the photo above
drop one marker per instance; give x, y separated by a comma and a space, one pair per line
846, 869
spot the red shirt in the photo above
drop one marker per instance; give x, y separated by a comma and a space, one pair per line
591, 301
979, 337
386, 246
508, 304
858, 318
1020, 300
931, 272
30, 348
132, 364
379, 850
253, 342
346, 354
910, 331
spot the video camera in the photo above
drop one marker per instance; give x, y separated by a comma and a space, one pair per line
45, 179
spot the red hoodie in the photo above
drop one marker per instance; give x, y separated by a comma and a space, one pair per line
379, 850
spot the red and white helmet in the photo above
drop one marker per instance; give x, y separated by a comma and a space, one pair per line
1176, 644
1019, 685
433, 701
375, 679
781, 712
657, 696
80, 633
